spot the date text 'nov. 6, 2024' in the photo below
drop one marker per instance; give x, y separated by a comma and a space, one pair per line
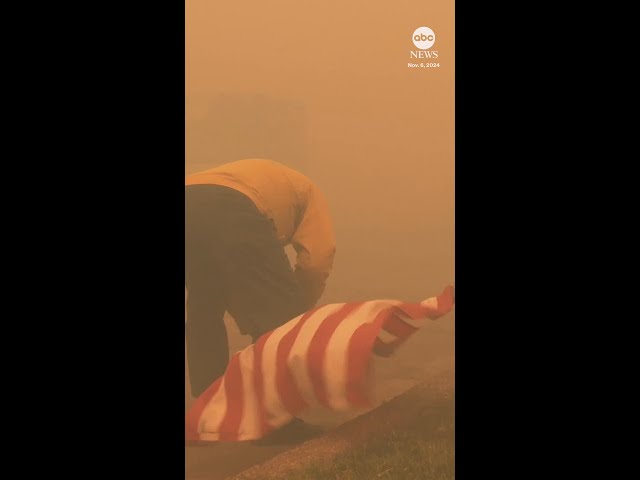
423, 65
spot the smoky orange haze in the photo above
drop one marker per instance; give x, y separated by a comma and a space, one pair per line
324, 88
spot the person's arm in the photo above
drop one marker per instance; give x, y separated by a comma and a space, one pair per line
315, 245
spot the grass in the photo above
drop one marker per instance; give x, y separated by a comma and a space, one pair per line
407, 455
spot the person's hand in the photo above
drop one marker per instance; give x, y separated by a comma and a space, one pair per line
311, 287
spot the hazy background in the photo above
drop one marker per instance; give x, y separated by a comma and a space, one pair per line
324, 87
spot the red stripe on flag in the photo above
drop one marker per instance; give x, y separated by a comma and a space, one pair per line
358, 358
287, 390
235, 400
318, 347
445, 303
414, 311
258, 382
193, 415
396, 326
446, 299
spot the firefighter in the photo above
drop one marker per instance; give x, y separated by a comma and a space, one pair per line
239, 217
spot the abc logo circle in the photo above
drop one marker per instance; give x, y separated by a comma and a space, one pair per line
423, 38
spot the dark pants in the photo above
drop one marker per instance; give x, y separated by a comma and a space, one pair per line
233, 262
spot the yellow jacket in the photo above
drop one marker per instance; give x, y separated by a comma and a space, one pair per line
296, 206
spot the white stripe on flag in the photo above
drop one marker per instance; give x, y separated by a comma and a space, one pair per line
277, 415
213, 414
410, 321
250, 424
335, 360
386, 337
430, 303
297, 360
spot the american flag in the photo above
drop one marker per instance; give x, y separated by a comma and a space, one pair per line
319, 359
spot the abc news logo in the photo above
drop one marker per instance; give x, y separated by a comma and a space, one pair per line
423, 38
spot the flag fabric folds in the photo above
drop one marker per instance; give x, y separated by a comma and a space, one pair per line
319, 359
